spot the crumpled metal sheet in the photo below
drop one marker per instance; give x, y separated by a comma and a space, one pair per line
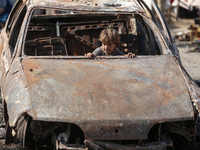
118, 99
15, 92
93, 5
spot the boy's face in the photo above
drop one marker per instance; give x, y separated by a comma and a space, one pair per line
108, 47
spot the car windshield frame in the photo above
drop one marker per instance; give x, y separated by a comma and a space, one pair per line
160, 40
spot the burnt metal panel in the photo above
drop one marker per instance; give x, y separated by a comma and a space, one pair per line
93, 5
15, 92
118, 99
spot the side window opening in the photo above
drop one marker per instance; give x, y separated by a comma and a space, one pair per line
150, 40
156, 15
13, 15
53, 32
16, 29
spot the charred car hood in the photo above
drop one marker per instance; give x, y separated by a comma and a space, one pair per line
116, 98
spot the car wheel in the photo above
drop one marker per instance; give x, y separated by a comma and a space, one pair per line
20, 130
8, 134
1, 115
18, 141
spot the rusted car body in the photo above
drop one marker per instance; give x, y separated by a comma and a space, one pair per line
56, 98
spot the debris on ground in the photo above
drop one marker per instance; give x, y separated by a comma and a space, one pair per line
192, 34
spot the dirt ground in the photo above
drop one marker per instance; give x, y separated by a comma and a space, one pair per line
190, 53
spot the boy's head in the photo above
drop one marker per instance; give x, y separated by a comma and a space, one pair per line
110, 39
109, 35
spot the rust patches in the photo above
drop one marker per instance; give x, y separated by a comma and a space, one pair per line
103, 84
31, 68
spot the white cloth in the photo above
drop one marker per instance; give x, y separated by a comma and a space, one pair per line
187, 4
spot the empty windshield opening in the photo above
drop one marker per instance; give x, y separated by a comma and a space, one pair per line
64, 33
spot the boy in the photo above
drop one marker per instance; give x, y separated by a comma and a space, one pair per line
110, 39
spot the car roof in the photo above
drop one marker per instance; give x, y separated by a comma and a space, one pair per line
91, 5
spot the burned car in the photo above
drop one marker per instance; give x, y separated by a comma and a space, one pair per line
56, 98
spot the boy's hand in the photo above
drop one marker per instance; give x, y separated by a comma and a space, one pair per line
130, 55
89, 55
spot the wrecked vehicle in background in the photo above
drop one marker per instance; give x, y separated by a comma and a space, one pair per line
55, 98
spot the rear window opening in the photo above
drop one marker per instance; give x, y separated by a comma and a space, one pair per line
63, 33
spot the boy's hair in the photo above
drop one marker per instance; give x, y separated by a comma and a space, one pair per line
109, 35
